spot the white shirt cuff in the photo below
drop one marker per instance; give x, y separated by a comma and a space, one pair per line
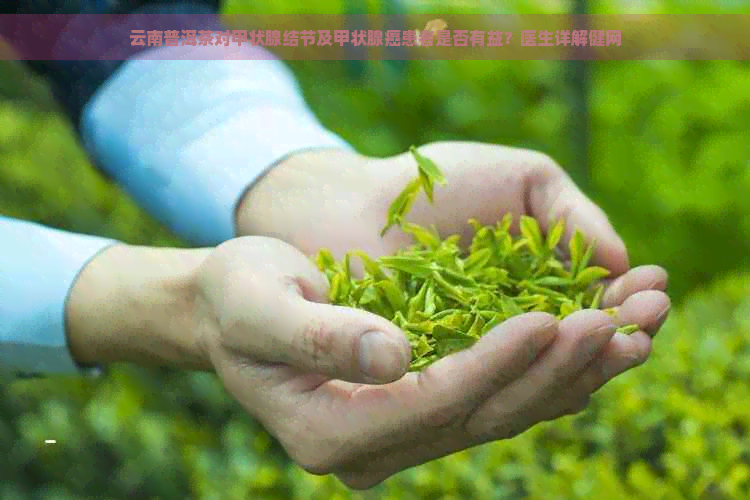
38, 266
187, 137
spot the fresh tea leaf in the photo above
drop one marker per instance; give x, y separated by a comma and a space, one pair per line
596, 302
555, 235
576, 247
441, 332
402, 204
590, 275
429, 173
371, 267
586, 257
444, 297
393, 293
425, 237
530, 230
413, 265
419, 301
628, 329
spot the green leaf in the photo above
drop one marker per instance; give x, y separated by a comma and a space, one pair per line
422, 346
418, 302
596, 301
586, 257
555, 234
339, 290
371, 267
590, 275
369, 295
476, 327
448, 347
423, 236
492, 275
430, 300
530, 230
451, 290
477, 260
429, 173
347, 269
325, 260
413, 265
402, 204
455, 320
628, 329
493, 319
579, 300
393, 293
568, 308
553, 281
421, 363
576, 247
510, 307
442, 332
503, 227
531, 301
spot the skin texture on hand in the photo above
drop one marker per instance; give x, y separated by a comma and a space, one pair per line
530, 369
136, 304
335, 395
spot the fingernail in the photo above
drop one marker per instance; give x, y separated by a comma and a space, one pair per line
380, 357
613, 368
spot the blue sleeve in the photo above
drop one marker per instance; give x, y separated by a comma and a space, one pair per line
38, 266
187, 138
75, 82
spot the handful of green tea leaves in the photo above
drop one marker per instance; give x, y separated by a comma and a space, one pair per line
444, 298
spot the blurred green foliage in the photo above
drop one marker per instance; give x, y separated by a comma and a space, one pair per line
668, 162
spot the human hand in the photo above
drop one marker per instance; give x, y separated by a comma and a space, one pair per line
295, 363
252, 310
338, 200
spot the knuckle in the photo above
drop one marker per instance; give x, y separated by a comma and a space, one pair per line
318, 343
440, 420
592, 380
315, 448
545, 162
313, 461
588, 344
505, 427
359, 482
444, 418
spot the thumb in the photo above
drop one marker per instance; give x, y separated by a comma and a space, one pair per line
294, 326
344, 343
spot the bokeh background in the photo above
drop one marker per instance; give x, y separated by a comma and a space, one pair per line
662, 146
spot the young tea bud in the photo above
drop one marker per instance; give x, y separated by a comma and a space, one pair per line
444, 298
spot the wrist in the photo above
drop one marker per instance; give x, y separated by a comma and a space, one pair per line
284, 175
138, 304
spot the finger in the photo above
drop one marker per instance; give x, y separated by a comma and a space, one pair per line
623, 353
647, 309
552, 195
339, 342
496, 360
290, 323
582, 335
636, 280
423, 404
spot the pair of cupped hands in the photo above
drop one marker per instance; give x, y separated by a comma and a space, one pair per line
331, 383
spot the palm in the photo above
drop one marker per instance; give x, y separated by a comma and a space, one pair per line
491, 391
